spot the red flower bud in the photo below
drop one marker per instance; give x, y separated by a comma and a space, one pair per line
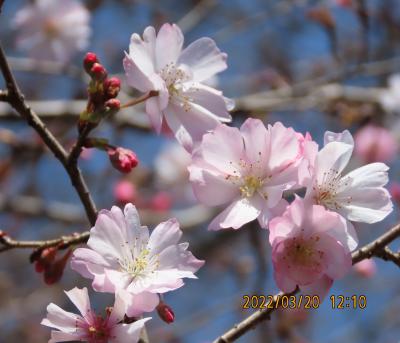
123, 159
54, 272
112, 87
98, 72
165, 312
161, 202
45, 259
113, 104
89, 60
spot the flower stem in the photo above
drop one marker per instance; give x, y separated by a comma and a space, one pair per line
140, 99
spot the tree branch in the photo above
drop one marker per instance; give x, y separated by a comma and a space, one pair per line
17, 101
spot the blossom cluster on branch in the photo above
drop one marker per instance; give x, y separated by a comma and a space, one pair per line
246, 170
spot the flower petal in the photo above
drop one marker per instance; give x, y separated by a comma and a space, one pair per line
80, 298
128, 332
169, 44
204, 58
165, 234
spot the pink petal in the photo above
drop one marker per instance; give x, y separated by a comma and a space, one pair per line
142, 52
344, 137
139, 303
128, 332
210, 187
165, 234
319, 288
169, 44
59, 336
204, 58
80, 298
237, 214
60, 319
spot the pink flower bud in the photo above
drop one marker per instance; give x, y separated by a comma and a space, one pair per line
54, 272
125, 191
161, 202
98, 72
112, 87
45, 259
165, 312
89, 60
123, 159
365, 268
113, 105
394, 190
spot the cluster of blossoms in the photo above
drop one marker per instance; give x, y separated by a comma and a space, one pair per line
247, 170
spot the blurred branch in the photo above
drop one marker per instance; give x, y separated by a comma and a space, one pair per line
374, 248
196, 14
70, 109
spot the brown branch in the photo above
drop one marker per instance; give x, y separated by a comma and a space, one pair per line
388, 255
377, 248
17, 101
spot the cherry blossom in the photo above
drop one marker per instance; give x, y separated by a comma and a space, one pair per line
89, 326
375, 144
310, 248
53, 30
122, 255
248, 169
358, 195
187, 104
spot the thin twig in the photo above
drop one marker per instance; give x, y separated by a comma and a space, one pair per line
140, 99
388, 255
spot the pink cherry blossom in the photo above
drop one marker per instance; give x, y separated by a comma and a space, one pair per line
189, 107
375, 144
366, 268
53, 30
248, 169
310, 248
359, 195
122, 255
89, 326
125, 191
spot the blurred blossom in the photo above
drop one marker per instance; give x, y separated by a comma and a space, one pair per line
390, 98
54, 30
171, 165
122, 255
343, 3
124, 191
161, 201
310, 248
158, 63
248, 170
365, 268
89, 326
375, 144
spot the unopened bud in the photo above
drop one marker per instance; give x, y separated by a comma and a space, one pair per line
98, 72
161, 202
112, 87
113, 105
165, 312
89, 60
45, 259
123, 159
54, 272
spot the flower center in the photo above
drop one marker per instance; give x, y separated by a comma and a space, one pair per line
50, 29
326, 191
98, 331
302, 252
250, 185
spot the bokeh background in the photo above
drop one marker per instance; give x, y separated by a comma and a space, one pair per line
285, 59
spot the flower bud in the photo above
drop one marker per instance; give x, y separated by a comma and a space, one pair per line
89, 60
45, 259
112, 87
165, 312
123, 159
112, 105
54, 272
161, 202
98, 72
